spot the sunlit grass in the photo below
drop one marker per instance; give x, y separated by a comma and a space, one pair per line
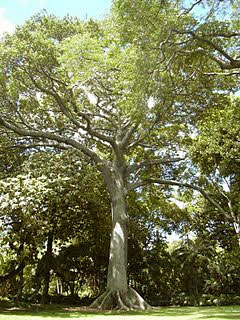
172, 313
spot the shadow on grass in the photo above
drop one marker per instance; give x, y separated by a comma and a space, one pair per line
198, 313
225, 313
77, 312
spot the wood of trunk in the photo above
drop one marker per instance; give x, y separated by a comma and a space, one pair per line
120, 299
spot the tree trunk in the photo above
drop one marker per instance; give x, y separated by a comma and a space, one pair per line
237, 230
46, 280
117, 268
20, 286
118, 295
47, 268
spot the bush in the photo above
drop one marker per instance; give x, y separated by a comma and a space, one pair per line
221, 300
158, 300
61, 299
207, 300
182, 299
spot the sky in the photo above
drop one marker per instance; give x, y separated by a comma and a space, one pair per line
15, 12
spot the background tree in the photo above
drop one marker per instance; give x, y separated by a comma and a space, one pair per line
41, 207
218, 158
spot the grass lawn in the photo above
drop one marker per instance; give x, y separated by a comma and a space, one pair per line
164, 313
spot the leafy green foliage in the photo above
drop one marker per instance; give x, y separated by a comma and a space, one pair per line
46, 199
217, 145
121, 96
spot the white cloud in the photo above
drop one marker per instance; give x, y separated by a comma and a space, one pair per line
5, 24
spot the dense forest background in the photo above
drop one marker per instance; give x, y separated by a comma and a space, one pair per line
119, 133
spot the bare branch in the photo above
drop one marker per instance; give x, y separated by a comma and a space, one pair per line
104, 117
227, 74
93, 132
191, 8
68, 114
128, 135
149, 163
35, 145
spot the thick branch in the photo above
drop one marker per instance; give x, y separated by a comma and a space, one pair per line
232, 64
125, 140
36, 145
227, 74
53, 137
93, 132
149, 163
180, 184
68, 114
235, 64
225, 35
55, 96
210, 43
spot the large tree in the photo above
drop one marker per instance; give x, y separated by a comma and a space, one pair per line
69, 84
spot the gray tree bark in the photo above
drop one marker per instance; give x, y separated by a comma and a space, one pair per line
118, 294
117, 268
237, 230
